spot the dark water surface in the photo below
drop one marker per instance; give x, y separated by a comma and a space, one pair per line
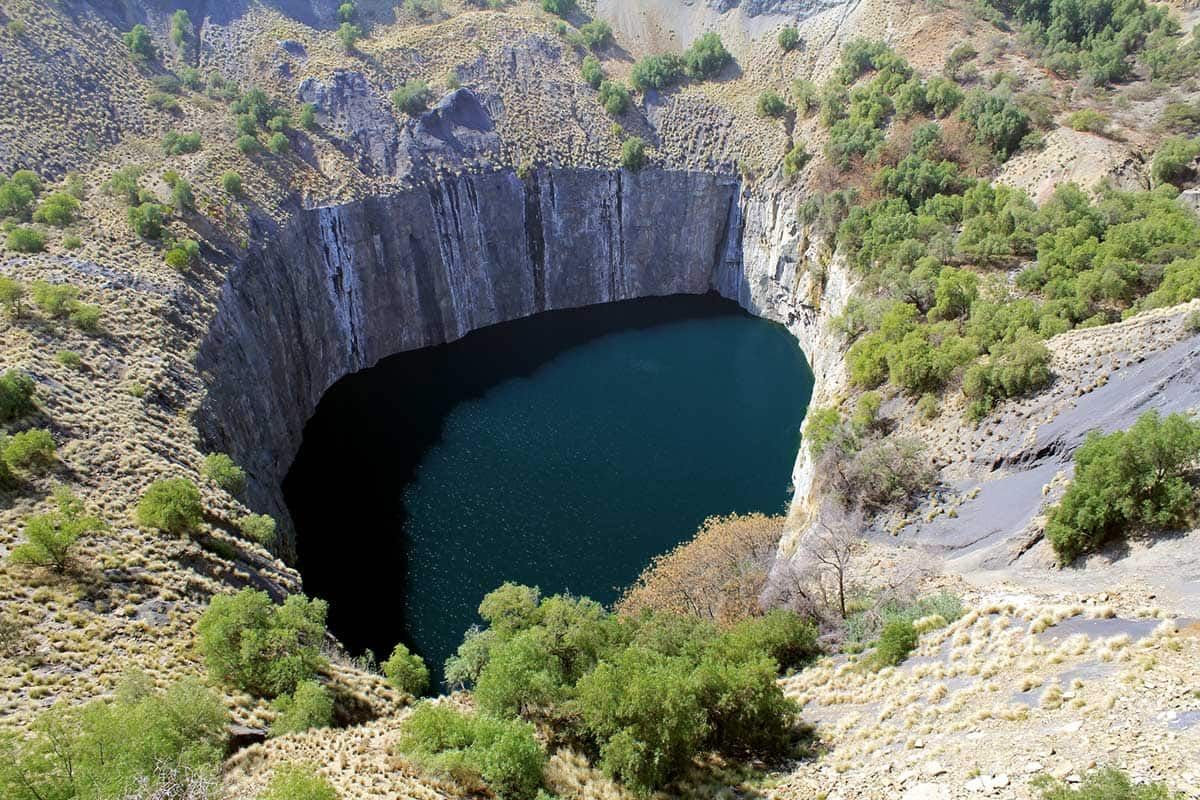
564, 451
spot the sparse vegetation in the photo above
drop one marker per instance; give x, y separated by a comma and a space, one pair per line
298, 781
614, 97
25, 240
412, 97
16, 395
789, 39
633, 154
406, 671
50, 538
259, 528
770, 104
309, 706
139, 44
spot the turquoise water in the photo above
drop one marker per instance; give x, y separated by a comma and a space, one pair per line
563, 451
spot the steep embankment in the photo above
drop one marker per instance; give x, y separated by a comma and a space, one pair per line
341, 287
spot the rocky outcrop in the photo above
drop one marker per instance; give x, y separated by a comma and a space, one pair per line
341, 287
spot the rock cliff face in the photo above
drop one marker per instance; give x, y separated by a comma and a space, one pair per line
344, 286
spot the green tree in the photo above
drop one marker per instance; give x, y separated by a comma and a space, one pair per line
795, 160
309, 706
16, 198
175, 143
897, 639
231, 182
789, 39
12, 294
259, 647
1138, 477
559, 7
183, 255
770, 104
592, 72
278, 144
502, 755
1173, 161
348, 35
596, 33
139, 43
221, 470
346, 12
171, 505
182, 197
50, 537
31, 450
147, 219
25, 240
412, 97
406, 671
998, 122
614, 97
59, 209
258, 527
181, 27
308, 117
657, 72
633, 154
706, 57
16, 395
298, 782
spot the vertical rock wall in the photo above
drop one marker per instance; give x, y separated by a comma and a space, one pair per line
342, 287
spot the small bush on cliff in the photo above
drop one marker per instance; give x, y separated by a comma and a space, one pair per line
139, 44
478, 752
221, 470
348, 34
596, 34
12, 296
50, 538
1108, 783
412, 97
406, 671
59, 209
706, 57
32, 449
171, 505
309, 706
789, 39
298, 782
592, 72
16, 395
175, 143
1142, 477
657, 72
147, 219
770, 104
897, 639
231, 182
55, 300
25, 240
633, 154
259, 647
259, 528
184, 255
614, 97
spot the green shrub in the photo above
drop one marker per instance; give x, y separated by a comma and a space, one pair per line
69, 359
253, 645
16, 395
50, 537
308, 118
248, 145
1141, 477
231, 182
298, 782
31, 450
55, 300
820, 427
596, 34
614, 97
147, 219
175, 143
59, 209
657, 72
309, 706
633, 154
25, 240
123, 184
706, 57
348, 35
997, 121
782, 635
1108, 783
171, 505
897, 639
16, 199
72, 242
183, 255
1173, 161
559, 7
928, 406
181, 27
139, 43
258, 527
479, 752
770, 104
406, 671
221, 470
789, 39
182, 198
164, 102
278, 144
12, 295
86, 317
1089, 120
592, 72
412, 97
1013, 369
137, 745
795, 160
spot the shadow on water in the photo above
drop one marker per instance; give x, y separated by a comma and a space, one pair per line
351, 485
